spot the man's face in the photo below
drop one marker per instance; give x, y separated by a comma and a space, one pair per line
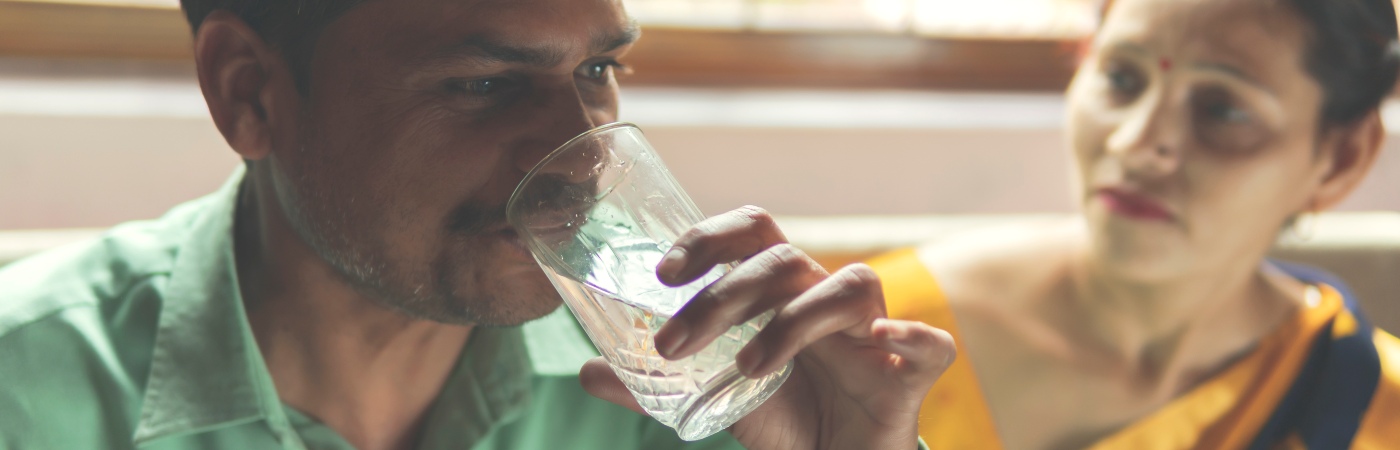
422, 117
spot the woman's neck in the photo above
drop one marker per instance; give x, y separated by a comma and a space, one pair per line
1173, 331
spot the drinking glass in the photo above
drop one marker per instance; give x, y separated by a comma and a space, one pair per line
598, 214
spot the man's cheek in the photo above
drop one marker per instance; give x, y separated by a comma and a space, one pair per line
607, 114
602, 105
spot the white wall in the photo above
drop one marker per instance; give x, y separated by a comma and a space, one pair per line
85, 148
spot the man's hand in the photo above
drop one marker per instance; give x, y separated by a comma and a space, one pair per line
859, 377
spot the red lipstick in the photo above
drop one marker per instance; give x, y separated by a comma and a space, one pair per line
1134, 205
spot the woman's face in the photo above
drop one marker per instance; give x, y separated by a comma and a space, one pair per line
1193, 124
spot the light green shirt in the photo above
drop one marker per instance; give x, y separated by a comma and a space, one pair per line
139, 340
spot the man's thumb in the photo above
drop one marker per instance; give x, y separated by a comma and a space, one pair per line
599, 380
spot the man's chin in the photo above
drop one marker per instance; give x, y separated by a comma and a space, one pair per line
519, 296
517, 313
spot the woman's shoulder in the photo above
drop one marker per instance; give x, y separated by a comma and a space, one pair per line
984, 267
1002, 264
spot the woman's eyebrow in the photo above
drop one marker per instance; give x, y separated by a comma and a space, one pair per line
1233, 72
1131, 48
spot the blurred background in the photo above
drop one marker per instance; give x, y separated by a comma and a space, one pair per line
805, 107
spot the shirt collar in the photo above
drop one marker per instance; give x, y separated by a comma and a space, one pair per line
206, 371
490, 386
557, 345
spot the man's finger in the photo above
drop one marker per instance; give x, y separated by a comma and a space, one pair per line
763, 283
722, 239
923, 352
847, 302
599, 380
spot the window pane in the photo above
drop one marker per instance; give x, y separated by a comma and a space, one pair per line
881, 15
953, 18
1006, 18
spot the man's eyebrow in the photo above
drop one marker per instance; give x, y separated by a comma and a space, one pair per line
606, 42
487, 48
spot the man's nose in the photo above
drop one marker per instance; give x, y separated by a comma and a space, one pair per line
1150, 141
562, 116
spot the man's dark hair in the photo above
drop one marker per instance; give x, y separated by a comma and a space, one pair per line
1352, 52
290, 26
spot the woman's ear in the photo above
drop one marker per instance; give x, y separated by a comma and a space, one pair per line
236, 69
1349, 152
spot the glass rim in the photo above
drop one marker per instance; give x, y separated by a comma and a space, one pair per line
515, 194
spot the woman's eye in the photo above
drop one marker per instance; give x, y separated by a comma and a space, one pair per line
1222, 123
1216, 105
1224, 112
1124, 80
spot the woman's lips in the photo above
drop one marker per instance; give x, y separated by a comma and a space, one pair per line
1133, 205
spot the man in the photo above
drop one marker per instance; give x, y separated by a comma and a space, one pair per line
356, 285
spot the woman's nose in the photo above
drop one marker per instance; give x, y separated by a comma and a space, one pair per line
1150, 140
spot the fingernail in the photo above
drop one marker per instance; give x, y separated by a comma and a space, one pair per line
674, 332
749, 359
671, 264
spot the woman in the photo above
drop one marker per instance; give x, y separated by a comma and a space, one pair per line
1201, 130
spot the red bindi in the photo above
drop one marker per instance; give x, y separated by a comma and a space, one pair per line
1165, 64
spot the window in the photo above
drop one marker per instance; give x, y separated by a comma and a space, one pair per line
936, 18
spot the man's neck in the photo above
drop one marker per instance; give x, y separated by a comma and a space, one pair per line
367, 372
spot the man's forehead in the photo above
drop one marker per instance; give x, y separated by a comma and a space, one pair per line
427, 27
538, 17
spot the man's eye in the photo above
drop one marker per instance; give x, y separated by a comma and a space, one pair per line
601, 71
480, 88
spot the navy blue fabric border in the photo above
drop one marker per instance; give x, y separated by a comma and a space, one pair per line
1326, 403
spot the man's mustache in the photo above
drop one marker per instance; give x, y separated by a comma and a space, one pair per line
474, 218
549, 201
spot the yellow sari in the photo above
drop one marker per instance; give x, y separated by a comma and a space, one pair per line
1323, 380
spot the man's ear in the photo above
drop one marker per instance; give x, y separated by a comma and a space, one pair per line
1350, 151
236, 72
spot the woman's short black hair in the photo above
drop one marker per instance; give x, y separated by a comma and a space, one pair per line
1354, 54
